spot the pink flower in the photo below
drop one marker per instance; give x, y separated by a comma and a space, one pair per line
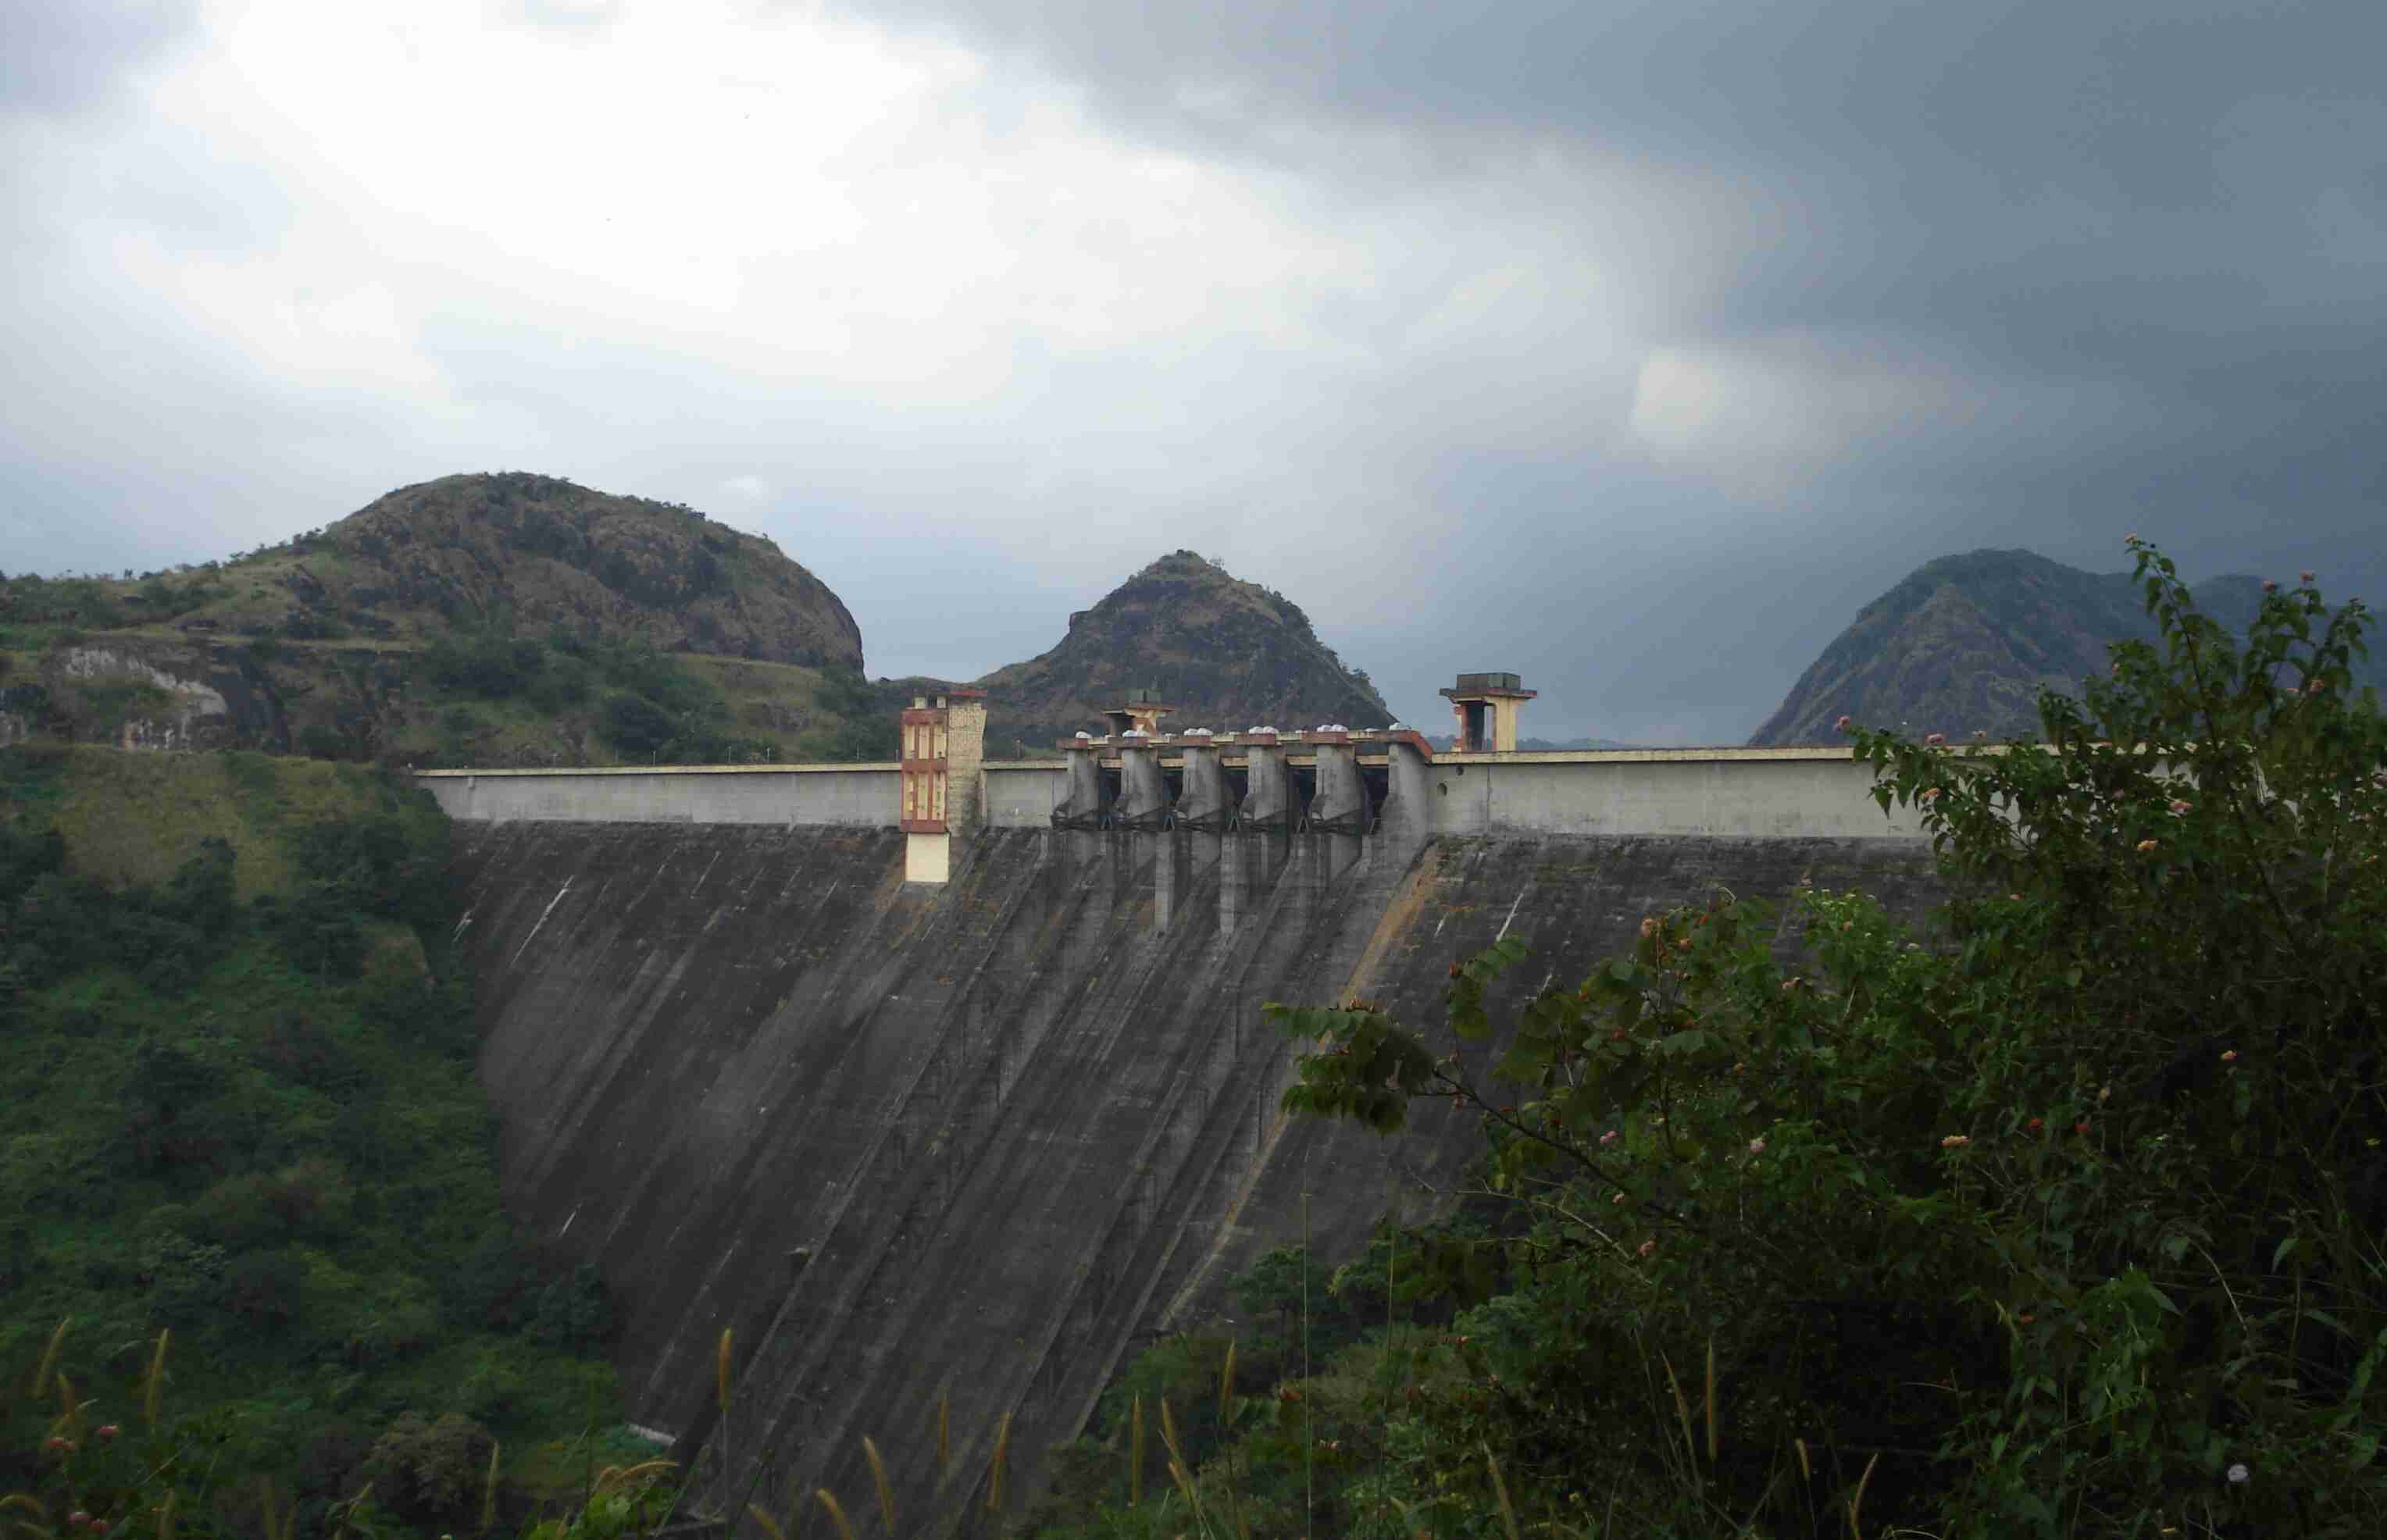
2269, 587
1757, 1146
1649, 927
1842, 723
2314, 687
1934, 738
1955, 1141
2130, 540
1607, 1139
2146, 845
1647, 1246
2305, 576
1980, 732
2179, 807
2034, 1125
1930, 795
2229, 1055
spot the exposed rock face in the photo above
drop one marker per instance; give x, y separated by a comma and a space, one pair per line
1229, 654
152, 694
1966, 643
555, 554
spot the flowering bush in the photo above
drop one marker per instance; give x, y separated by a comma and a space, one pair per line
2064, 1222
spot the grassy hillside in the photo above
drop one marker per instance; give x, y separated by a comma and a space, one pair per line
237, 1102
499, 620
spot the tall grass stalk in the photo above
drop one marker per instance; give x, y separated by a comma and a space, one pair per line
1712, 1402
1856, 1504
1500, 1490
166, 1517
770, 1525
944, 1431
489, 1492
1308, 1445
721, 1400
836, 1513
878, 1478
995, 1470
1683, 1411
41, 1386
1179, 1470
280, 1521
153, 1389
1136, 1452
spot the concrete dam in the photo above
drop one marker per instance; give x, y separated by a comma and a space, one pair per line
945, 1082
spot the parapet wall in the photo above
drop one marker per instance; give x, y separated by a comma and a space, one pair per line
1763, 793
821, 796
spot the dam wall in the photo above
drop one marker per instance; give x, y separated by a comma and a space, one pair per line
1769, 792
981, 1140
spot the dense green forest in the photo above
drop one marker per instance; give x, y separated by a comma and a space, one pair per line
2061, 1218
236, 1058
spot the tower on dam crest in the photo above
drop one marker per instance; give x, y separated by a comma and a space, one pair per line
1487, 706
944, 740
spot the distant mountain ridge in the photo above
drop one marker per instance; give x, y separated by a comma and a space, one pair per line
1229, 653
1965, 644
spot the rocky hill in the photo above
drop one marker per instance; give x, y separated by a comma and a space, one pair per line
491, 619
1230, 654
1967, 642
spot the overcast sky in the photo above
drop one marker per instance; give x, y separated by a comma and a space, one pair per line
1631, 347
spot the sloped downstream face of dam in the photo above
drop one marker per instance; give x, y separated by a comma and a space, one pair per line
973, 1140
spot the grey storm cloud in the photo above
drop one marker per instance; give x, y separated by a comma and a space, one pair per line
2140, 250
1632, 346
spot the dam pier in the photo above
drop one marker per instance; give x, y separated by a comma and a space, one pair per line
943, 1081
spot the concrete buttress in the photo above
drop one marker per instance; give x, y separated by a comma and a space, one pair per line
1143, 792
1202, 802
1267, 796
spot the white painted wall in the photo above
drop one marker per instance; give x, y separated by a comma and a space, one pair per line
1023, 793
1761, 793
859, 795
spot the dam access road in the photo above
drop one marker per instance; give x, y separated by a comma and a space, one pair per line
982, 1137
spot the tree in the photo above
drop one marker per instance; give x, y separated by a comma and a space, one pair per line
2060, 1219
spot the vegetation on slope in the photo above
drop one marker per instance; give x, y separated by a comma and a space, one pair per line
1967, 643
1229, 654
236, 1058
2063, 1220
494, 618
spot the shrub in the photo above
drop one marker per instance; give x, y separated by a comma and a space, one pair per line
2062, 1223
431, 1472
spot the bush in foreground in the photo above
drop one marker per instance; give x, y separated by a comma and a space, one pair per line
2065, 1223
